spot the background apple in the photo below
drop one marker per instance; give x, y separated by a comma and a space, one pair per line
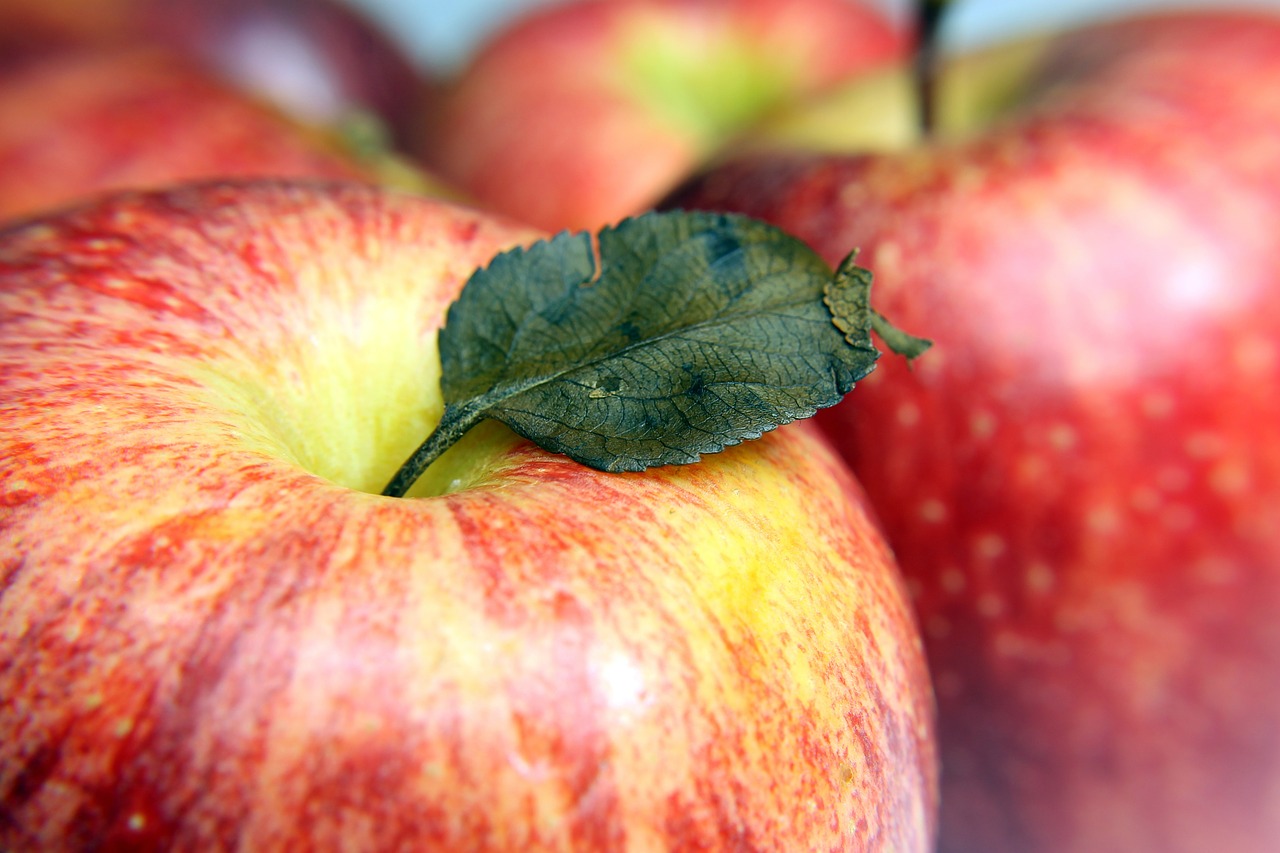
582, 112
84, 122
1081, 480
213, 636
320, 60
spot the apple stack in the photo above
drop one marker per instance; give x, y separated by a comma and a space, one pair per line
1015, 597
216, 633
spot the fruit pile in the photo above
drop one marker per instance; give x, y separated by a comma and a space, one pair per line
1012, 594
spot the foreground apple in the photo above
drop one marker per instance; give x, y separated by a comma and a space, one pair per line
583, 112
1082, 480
86, 122
214, 636
320, 60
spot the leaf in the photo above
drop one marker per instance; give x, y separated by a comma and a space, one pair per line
848, 297
678, 334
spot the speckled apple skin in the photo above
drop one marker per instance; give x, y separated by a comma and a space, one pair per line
1082, 479
208, 645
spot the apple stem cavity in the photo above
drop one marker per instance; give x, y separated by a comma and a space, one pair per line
455, 422
928, 23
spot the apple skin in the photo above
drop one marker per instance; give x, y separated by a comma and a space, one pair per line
215, 636
580, 113
75, 124
320, 60
1081, 481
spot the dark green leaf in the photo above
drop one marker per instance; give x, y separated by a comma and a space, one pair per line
676, 335
848, 297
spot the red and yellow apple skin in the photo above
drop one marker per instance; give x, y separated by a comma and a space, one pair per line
83, 123
584, 112
1082, 479
214, 635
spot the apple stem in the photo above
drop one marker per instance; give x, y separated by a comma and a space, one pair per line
928, 20
454, 424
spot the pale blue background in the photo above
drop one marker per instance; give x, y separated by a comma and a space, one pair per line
441, 33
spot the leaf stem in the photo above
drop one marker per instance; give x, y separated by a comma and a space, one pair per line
901, 343
454, 424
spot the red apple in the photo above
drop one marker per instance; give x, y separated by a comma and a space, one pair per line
91, 121
321, 60
214, 636
1082, 479
582, 112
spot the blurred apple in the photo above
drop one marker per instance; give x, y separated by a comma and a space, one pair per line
212, 635
582, 112
321, 60
85, 122
1082, 479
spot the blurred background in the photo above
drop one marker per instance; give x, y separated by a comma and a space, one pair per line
440, 35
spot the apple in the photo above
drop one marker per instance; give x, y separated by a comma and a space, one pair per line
1081, 481
215, 634
579, 113
80, 123
320, 60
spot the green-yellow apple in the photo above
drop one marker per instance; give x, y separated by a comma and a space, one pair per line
1082, 479
580, 113
90, 121
319, 60
215, 635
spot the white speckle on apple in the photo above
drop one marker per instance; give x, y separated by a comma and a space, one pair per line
1204, 445
908, 414
952, 580
982, 424
1157, 405
1033, 469
949, 684
1062, 437
1178, 517
1254, 355
1173, 478
1104, 520
990, 605
1145, 499
1009, 645
888, 258
989, 546
1229, 478
1039, 578
933, 511
1217, 571
137, 822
